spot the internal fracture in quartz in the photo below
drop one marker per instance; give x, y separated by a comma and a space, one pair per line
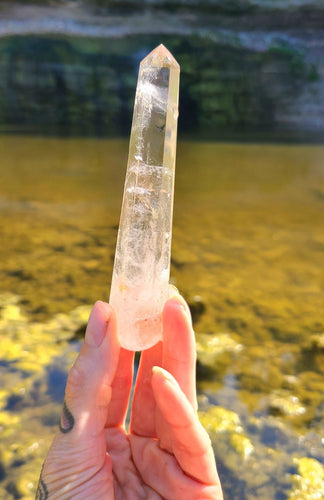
142, 261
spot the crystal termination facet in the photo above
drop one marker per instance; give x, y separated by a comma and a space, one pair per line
141, 272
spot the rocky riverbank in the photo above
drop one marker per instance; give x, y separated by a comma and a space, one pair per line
251, 70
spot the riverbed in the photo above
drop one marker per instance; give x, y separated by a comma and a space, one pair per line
248, 253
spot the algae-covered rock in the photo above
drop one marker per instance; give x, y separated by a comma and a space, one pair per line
241, 444
216, 345
7, 299
216, 352
9, 424
30, 346
12, 313
8, 420
24, 450
218, 420
25, 488
197, 307
4, 493
312, 352
308, 483
286, 404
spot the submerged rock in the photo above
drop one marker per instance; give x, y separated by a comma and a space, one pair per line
7, 299
218, 420
215, 352
312, 352
241, 444
269, 445
308, 483
286, 404
22, 343
197, 307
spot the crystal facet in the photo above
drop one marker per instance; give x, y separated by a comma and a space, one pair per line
141, 272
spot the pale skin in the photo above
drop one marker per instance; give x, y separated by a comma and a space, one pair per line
166, 454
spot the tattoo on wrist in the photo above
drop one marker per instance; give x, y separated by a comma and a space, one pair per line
67, 420
42, 491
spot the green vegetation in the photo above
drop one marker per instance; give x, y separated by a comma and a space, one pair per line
308, 483
80, 86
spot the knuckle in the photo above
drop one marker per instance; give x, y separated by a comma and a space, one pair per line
75, 381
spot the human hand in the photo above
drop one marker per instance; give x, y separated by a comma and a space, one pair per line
167, 454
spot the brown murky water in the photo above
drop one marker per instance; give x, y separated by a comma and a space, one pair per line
248, 254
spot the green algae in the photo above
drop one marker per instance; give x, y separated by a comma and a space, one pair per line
255, 456
215, 354
218, 420
286, 404
31, 346
225, 91
241, 444
308, 484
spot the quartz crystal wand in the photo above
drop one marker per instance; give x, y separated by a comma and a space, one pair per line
141, 272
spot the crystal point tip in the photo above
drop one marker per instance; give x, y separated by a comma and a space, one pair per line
160, 57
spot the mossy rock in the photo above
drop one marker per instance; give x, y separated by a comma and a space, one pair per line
241, 444
12, 313
218, 420
216, 352
308, 483
284, 403
7, 299
22, 343
25, 488
9, 420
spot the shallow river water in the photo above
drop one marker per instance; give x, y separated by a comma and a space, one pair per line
248, 254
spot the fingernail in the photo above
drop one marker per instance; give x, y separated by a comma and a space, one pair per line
97, 324
166, 375
182, 304
157, 369
173, 291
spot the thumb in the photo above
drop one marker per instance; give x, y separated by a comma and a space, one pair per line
77, 464
88, 388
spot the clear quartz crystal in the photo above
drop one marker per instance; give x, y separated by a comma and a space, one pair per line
141, 272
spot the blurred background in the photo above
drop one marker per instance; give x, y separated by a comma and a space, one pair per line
248, 236
250, 68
